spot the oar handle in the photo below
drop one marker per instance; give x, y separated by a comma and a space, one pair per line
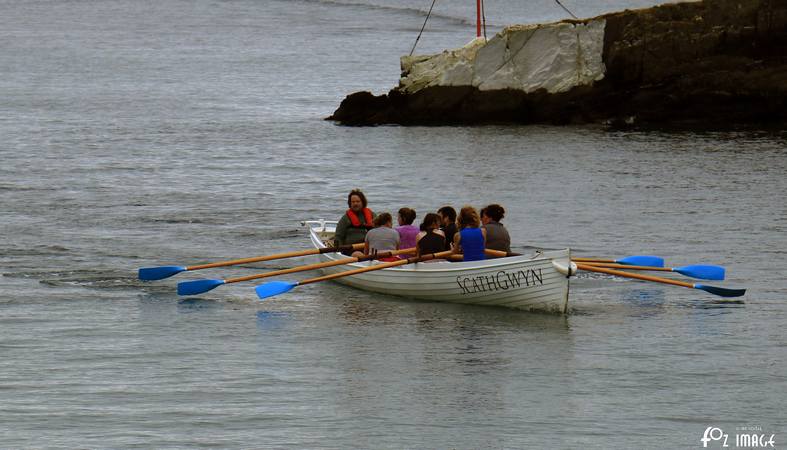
321, 265
403, 262
314, 251
620, 273
499, 253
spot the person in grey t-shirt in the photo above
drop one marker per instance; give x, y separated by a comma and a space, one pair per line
497, 237
383, 237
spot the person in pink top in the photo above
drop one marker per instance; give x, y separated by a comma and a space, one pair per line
407, 231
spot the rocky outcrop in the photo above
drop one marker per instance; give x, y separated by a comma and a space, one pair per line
709, 63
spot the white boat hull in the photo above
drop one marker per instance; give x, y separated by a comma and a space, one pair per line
535, 282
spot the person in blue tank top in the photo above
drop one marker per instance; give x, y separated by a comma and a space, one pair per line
471, 238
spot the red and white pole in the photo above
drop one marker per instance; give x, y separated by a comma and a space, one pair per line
477, 18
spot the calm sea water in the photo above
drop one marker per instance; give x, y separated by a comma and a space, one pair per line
138, 133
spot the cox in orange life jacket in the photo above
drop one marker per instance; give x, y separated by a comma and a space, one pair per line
368, 219
353, 225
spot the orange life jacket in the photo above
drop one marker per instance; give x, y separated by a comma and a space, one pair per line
356, 222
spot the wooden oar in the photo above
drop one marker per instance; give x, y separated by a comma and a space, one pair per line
499, 253
638, 260
272, 288
195, 287
701, 271
158, 273
724, 292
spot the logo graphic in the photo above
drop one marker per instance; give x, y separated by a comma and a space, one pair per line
713, 434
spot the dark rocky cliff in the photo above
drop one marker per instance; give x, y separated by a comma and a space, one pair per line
713, 63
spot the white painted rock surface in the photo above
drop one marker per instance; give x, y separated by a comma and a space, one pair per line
555, 57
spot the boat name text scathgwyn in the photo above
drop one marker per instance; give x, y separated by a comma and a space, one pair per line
502, 280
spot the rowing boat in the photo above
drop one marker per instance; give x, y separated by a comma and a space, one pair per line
537, 282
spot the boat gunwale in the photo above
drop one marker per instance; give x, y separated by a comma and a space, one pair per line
460, 266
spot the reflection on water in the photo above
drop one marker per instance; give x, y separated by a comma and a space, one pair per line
195, 304
426, 357
648, 302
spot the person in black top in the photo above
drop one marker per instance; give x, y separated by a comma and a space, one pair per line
431, 239
448, 221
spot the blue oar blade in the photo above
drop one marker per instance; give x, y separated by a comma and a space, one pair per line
643, 260
158, 273
272, 288
723, 292
195, 287
704, 272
